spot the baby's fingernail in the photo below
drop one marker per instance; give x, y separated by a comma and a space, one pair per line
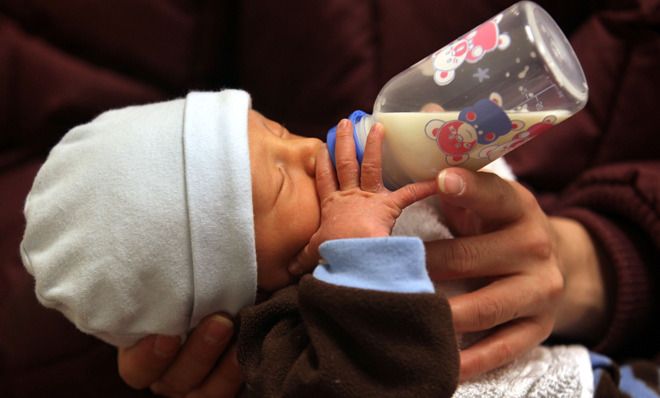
166, 346
377, 127
343, 124
450, 183
219, 330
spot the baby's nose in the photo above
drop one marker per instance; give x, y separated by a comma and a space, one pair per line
308, 148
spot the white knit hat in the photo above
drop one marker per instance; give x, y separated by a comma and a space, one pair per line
141, 221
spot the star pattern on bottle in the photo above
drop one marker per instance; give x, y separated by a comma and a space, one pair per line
482, 74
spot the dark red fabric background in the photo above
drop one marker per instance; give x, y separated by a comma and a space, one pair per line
306, 64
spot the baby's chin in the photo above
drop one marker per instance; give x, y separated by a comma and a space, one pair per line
274, 283
262, 295
265, 292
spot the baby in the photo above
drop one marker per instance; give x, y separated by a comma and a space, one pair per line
149, 218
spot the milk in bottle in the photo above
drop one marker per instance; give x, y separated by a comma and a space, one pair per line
488, 92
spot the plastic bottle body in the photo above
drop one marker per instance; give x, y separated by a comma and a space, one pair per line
486, 93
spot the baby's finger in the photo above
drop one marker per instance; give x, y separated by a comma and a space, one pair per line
371, 177
306, 260
502, 347
411, 193
348, 172
326, 180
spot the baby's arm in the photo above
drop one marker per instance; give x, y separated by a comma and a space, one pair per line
368, 323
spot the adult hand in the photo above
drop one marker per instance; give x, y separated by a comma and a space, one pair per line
504, 237
354, 202
204, 366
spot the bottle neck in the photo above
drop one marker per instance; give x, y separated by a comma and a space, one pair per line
362, 128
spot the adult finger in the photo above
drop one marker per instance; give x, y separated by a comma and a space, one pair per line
345, 158
459, 258
493, 199
326, 181
225, 381
503, 346
491, 254
198, 356
143, 363
371, 176
432, 107
497, 303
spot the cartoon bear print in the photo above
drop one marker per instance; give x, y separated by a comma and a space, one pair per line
455, 139
471, 48
488, 119
521, 136
481, 123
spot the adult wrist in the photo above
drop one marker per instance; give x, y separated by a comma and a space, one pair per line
582, 314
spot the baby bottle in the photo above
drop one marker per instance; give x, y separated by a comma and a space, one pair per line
486, 93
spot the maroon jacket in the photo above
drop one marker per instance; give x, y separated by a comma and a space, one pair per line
63, 62
602, 167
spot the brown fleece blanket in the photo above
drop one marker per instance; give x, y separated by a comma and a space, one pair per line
323, 340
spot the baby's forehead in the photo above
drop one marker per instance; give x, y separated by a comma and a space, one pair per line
255, 116
255, 128
261, 159
260, 125
258, 118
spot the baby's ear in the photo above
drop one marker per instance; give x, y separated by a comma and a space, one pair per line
443, 77
496, 98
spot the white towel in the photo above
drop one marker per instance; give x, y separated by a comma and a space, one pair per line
544, 372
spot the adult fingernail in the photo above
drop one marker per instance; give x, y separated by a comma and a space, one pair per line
166, 346
343, 124
294, 269
157, 388
450, 183
219, 330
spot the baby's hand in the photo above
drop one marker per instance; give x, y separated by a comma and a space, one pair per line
354, 201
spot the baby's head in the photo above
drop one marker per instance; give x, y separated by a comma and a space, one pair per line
151, 217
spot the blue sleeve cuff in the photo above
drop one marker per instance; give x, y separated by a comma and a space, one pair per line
391, 264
